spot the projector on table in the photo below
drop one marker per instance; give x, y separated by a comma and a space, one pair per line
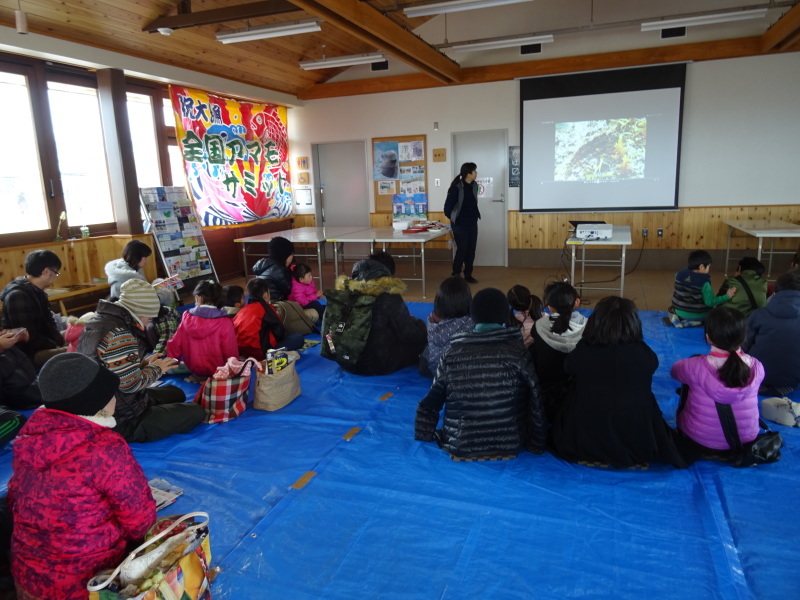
594, 231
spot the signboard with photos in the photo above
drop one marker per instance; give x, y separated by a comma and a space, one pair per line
172, 220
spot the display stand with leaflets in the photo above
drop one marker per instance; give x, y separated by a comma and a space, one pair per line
171, 218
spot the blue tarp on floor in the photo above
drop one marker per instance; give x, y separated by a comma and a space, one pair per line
385, 516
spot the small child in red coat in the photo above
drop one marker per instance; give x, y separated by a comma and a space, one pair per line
77, 495
74, 330
206, 338
259, 327
304, 292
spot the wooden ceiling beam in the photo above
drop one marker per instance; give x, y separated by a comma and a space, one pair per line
222, 15
733, 48
783, 34
361, 20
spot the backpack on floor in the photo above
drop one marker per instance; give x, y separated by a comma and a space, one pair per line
346, 325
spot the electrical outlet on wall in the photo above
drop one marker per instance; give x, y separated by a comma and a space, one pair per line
660, 232
644, 232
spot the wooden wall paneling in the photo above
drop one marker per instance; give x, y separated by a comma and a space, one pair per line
304, 221
685, 229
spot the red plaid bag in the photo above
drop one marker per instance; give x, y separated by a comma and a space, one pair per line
225, 399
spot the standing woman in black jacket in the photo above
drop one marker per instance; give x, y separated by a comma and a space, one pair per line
461, 207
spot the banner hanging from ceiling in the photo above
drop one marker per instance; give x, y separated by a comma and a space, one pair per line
236, 157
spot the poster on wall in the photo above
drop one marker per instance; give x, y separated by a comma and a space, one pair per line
514, 170
384, 159
485, 187
236, 157
412, 180
175, 226
410, 207
412, 151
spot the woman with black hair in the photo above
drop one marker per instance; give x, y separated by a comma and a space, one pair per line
130, 266
611, 415
555, 335
461, 207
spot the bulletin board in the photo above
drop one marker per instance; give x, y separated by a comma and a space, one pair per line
171, 218
399, 166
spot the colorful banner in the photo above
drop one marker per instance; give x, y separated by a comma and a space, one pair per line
236, 156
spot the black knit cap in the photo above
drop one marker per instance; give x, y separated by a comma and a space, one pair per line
280, 249
74, 383
489, 306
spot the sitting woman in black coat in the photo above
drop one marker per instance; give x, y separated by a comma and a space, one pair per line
487, 385
611, 416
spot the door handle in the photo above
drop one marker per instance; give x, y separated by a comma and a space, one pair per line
502, 198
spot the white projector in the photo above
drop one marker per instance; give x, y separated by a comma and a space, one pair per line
594, 231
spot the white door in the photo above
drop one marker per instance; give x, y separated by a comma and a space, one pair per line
488, 150
342, 187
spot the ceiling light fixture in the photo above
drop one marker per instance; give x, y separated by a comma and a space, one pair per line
424, 10
342, 61
249, 34
743, 15
499, 43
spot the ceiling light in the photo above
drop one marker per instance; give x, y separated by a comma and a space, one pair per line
744, 15
21, 21
268, 31
438, 8
500, 43
342, 61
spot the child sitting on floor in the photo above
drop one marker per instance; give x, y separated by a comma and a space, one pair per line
750, 282
527, 310
487, 386
234, 299
449, 318
773, 337
258, 326
725, 375
611, 416
304, 292
206, 338
693, 297
74, 330
554, 337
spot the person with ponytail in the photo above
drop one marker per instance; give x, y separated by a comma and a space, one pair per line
461, 207
555, 335
206, 338
725, 375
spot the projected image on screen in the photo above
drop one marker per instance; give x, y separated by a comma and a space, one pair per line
602, 150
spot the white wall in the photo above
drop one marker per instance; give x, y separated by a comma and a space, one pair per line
740, 143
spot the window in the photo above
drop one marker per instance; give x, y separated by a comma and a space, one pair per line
81, 153
23, 197
143, 138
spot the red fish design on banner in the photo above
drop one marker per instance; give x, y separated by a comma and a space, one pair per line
236, 157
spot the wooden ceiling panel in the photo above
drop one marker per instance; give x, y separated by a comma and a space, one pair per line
349, 27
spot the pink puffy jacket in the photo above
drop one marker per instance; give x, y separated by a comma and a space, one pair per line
699, 419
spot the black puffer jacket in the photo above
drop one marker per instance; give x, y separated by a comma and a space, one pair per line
491, 398
396, 339
278, 277
25, 305
18, 386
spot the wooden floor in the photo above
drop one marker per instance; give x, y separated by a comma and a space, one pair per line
651, 290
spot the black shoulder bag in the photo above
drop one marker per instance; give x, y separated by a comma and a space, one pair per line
766, 448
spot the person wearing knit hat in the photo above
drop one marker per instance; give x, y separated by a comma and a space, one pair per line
76, 384
77, 494
118, 332
140, 299
488, 389
275, 268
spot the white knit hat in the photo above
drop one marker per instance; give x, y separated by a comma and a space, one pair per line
139, 298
